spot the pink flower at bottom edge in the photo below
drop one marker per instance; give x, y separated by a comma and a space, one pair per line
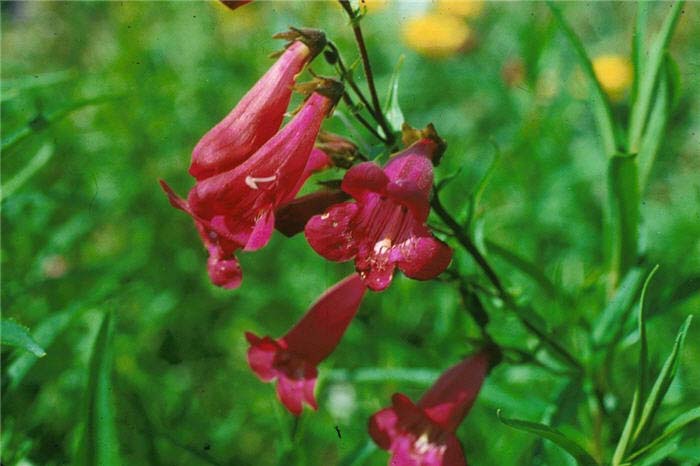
423, 434
293, 359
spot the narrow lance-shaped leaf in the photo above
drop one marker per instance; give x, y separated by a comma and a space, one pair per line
663, 381
667, 434
638, 49
603, 111
624, 203
653, 136
394, 115
583, 458
640, 390
35, 164
608, 326
99, 446
649, 76
14, 334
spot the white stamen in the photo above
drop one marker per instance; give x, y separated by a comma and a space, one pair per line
382, 246
252, 182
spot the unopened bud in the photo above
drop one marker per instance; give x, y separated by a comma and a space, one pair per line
343, 152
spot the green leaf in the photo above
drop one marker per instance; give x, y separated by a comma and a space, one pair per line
624, 211
393, 114
640, 390
667, 435
663, 381
12, 87
638, 49
360, 454
41, 121
48, 330
99, 446
14, 334
581, 456
649, 76
384, 374
35, 164
608, 326
653, 136
602, 108
475, 196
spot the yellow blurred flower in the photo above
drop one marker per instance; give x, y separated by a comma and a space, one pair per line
437, 35
614, 73
374, 6
463, 8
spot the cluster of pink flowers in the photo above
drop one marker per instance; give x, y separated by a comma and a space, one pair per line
248, 171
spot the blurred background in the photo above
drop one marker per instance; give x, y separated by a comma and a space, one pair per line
100, 100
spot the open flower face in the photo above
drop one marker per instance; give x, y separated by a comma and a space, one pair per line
293, 359
423, 434
385, 227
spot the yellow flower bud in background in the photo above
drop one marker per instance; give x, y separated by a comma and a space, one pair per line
437, 35
614, 73
463, 8
374, 6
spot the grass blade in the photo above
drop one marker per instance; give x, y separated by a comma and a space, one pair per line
14, 334
624, 211
603, 110
608, 326
100, 446
638, 37
35, 164
574, 449
668, 433
663, 381
640, 390
649, 77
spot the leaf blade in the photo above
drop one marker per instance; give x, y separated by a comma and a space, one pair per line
14, 334
574, 449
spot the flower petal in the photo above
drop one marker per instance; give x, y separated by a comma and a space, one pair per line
423, 258
291, 218
375, 267
225, 273
317, 334
292, 392
382, 427
329, 234
453, 455
261, 356
262, 232
454, 393
364, 178
408, 193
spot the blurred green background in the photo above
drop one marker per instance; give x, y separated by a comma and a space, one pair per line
89, 231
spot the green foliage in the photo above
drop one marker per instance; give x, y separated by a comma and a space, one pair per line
99, 101
14, 334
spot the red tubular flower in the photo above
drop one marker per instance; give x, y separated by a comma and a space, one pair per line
385, 228
292, 359
259, 114
235, 209
424, 434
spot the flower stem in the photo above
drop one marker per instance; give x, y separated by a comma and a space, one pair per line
376, 108
481, 261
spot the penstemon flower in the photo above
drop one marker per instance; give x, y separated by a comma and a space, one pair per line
259, 114
385, 227
292, 359
235, 209
423, 434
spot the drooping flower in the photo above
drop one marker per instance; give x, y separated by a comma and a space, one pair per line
259, 114
235, 209
423, 434
293, 359
385, 227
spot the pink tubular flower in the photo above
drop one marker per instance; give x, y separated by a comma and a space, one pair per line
385, 227
292, 359
424, 434
259, 114
235, 209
